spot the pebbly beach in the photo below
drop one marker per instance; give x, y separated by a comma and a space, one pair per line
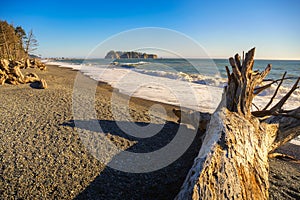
44, 156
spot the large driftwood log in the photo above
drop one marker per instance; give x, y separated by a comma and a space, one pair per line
233, 160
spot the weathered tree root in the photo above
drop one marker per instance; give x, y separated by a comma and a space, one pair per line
10, 72
233, 160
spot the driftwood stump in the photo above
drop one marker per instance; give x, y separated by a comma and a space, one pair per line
233, 160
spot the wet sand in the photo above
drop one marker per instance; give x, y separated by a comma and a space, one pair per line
43, 155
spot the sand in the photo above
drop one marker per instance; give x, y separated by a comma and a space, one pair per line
43, 154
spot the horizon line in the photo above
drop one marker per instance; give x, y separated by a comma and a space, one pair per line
223, 58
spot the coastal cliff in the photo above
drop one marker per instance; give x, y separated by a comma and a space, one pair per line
128, 55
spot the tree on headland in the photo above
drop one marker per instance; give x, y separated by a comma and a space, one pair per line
30, 42
21, 35
233, 160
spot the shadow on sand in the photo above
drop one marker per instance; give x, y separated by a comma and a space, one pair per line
161, 184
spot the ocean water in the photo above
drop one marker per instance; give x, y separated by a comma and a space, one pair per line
191, 83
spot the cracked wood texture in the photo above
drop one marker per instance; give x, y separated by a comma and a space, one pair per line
233, 160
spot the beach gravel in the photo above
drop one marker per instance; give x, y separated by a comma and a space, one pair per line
42, 155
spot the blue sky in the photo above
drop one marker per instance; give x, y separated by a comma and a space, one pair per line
222, 28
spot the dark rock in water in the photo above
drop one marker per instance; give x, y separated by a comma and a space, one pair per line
129, 54
203, 82
127, 66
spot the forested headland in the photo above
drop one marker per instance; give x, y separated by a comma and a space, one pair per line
16, 48
15, 43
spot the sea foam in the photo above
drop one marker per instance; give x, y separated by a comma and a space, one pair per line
168, 87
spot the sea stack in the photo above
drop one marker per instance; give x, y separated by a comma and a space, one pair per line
128, 55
